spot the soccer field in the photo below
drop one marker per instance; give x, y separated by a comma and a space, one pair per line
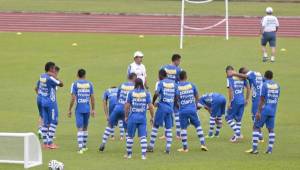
105, 57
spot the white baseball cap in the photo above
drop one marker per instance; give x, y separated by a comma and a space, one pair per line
269, 10
138, 54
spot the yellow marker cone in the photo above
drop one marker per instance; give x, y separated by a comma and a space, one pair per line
74, 44
282, 49
19, 33
141, 36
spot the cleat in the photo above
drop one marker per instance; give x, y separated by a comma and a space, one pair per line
240, 137
112, 138
127, 156
121, 138
255, 152
85, 149
233, 139
209, 137
249, 151
204, 148
80, 151
268, 151
183, 150
45, 146
265, 59
149, 149
261, 141
167, 152
102, 147
52, 146
178, 137
162, 137
216, 136
272, 59
144, 157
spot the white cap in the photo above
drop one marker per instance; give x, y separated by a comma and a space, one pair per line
269, 10
138, 54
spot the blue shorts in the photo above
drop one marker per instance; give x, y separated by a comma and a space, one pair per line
188, 117
49, 113
235, 112
218, 107
163, 116
265, 119
39, 105
82, 120
269, 37
254, 108
140, 126
116, 115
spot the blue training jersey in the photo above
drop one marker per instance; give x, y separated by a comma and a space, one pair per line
82, 89
172, 72
271, 92
47, 88
208, 99
123, 91
110, 95
256, 81
186, 92
237, 86
166, 91
138, 100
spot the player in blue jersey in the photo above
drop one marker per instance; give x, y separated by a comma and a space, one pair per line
173, 71
215, 104
187, 96
165, 91
256, 81
82, 92
266, 112
236, 102
46, 100
135, 115
118, 112
110, 98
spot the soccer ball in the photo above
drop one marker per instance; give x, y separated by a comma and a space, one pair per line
55, 165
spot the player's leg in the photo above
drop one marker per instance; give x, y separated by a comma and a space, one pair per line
40, 121
254, 110
112, 134
168, 126
264, 42
53, 125
195, 121
219, 118
272, 42
184, 122
270, 125
142, 133
238, 118
131, 128
79, 124
177, 123
212, 120
158, 121
230, 121
122, 130
255, 134
86, 118
46, 123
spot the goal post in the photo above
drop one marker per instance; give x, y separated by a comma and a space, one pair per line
183, 26
20, 148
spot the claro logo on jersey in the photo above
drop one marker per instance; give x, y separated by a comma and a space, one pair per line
184, 88
168, 85
139, 95
83, 86
127, 88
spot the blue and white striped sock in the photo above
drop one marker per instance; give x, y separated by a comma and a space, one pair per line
85, 138
51, 133
129, 143
219, 126
184, 138
231, 123
121, 127
106, 134
261, 137
200, 135
212, 123
255, 136
112, 134
143, 140
177, 123
45, 134
238, 128
80, 139
153, 136
271, 141
169, 139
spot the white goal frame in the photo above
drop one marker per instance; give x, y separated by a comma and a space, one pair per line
183, 26
27, 162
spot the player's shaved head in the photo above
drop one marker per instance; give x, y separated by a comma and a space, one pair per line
162, 74
81, 73
49, 66
269, 75
139, 84
182, 75
132, 76
176, 59
243, 70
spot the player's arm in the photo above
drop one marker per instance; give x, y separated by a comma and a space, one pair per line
72, 101
240, 75
230, 95
248, 90
36, 87
155, 96
151, 109
93, 105
261, 103
105, 108
127, 107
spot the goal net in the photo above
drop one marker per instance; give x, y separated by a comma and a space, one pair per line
20, 148
194, 23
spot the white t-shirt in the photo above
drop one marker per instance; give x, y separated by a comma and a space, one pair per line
138, 69
269, 23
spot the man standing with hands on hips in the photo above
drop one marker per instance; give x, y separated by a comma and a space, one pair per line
138, 68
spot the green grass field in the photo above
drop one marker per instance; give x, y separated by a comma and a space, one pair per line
105, 57
148, 7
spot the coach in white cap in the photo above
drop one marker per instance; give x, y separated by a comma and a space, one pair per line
137, 67
269, 28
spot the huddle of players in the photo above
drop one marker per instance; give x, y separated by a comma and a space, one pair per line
129, 103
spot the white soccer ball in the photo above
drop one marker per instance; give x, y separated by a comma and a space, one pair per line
55, 165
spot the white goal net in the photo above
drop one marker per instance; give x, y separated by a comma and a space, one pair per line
20, 148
